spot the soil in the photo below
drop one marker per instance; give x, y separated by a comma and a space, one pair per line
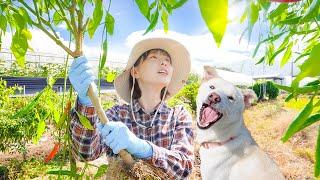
267, 121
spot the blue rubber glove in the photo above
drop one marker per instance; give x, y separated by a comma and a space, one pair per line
117, 136
81, 76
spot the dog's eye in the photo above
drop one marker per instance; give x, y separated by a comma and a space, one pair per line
212, 87
230, 98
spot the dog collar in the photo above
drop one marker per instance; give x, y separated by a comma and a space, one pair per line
209, 145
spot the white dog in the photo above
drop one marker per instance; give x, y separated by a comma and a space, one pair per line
227, 150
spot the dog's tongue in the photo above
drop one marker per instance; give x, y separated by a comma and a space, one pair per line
208, 115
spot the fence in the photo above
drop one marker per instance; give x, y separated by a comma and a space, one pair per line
39, 58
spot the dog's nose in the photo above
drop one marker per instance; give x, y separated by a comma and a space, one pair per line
215, 98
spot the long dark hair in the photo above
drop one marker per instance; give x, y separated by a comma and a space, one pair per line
137, 90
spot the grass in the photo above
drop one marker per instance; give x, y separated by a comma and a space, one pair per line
267, 122
29, 169
300, 103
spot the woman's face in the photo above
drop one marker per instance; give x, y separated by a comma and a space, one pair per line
155, 69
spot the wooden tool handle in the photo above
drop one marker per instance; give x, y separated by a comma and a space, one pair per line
124, 155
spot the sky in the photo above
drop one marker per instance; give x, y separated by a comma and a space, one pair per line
185, 25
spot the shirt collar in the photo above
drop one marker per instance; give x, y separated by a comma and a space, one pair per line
137, 107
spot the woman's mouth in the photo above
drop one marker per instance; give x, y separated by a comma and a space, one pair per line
163, 72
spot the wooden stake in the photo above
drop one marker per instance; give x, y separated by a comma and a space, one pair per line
124, 155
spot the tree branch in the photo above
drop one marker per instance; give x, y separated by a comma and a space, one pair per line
65, 18
72, 16
54, 39
36, 11
47, 23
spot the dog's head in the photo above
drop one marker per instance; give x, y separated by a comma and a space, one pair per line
219, 108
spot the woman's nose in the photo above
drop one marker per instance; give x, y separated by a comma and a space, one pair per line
164, 62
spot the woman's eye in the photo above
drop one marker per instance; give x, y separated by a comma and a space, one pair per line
153, 57
212, 87
231, 98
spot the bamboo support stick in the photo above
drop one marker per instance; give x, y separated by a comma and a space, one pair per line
124, 155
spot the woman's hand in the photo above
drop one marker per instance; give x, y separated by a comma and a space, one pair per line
117, 136
81, 76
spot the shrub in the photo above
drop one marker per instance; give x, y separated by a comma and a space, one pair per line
271, 90
17, 131
187, 97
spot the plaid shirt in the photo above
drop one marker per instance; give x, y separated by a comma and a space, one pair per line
170, 136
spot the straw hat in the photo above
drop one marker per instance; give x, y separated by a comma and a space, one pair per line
180, 62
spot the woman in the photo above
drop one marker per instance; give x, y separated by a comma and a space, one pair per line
147, 128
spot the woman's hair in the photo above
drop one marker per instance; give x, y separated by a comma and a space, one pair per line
137, 91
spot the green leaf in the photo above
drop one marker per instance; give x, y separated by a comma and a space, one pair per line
110, 76
61, 120
265, 4
40, 130
215, 16
307, 69
272, 38
273, 56
291, 21
101, 171
25, 110
154, 20
57, 19
56, 116
85, 121
23, 12
285, 88
260, 60
19, 48
62, 172
317, 163
298, 121
244, 16
167, 6
109, 23
289, 97
300, 90
104, 54
27, 34
253, 16
278, 11
80, 4
164, 19
301, 56
312, 11
152, 5
50, 81
3, 23
287, 55
94, 22
315, 82
143, 7
311, 120
19, 21
179, 4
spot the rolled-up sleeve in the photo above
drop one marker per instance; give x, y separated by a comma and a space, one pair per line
87, 144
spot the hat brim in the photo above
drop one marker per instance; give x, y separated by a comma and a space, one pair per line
180, 62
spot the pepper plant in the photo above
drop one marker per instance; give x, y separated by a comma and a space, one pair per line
290, 25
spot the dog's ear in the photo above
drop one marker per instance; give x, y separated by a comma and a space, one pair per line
209, 73
249, 97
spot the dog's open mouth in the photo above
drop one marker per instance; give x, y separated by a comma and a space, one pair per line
208, 116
